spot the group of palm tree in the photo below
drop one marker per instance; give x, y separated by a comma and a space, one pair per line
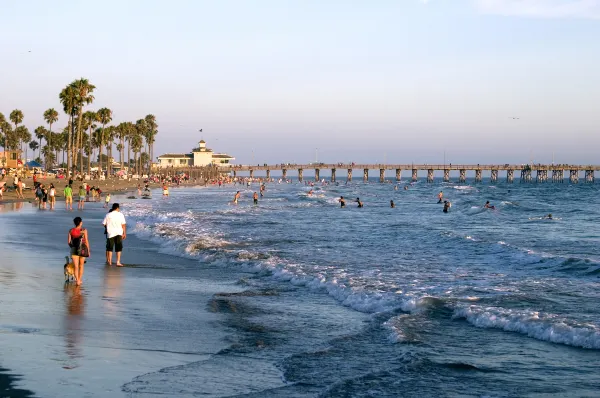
87, 132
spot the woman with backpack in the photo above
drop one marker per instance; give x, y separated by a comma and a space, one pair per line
80, 247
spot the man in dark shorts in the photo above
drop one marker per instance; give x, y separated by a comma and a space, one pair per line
116, 232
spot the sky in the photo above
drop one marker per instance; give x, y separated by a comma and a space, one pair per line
272, 81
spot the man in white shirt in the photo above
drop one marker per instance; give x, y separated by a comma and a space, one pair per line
116, 232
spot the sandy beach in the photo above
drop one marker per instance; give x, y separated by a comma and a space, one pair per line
112, 186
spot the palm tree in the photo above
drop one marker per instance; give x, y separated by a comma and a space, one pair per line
122, 133
151, 132
41, 132
90, 117
83, 96
34, 146
23, 136
51, 117
16, 117
68, 98
105, 117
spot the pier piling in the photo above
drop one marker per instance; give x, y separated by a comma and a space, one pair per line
589, 176
446, 175
574, 176
366, 175
332, 175
398, 174
349, 175
251, 173
510, 175
414, 175
430, 175
284, 174
317, 174
462, 177
494, 176
300, 175
478, 175
268, 174
381, 175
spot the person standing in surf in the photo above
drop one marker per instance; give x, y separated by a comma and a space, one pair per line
116, 232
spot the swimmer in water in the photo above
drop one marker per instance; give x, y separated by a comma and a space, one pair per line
395, 187
440, 197
360, 204
392, 205
236, 197
342, 201
310, 192
488, 206
255, 197
447, 206
549, 216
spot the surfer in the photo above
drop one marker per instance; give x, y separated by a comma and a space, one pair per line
488, 206
236, 197
392, 205
440, 197
360, 204
342, 201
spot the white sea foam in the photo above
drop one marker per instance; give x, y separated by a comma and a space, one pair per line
541, 326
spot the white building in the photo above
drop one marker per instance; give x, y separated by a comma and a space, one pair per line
200, 156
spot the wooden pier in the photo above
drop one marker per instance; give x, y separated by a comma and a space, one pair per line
527, 172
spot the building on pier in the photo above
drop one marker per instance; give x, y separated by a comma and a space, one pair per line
200, 156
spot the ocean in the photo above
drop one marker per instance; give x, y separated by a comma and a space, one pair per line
297, 297
405, 301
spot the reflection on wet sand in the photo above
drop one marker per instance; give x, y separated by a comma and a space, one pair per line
112, 290
75, 310
7, 207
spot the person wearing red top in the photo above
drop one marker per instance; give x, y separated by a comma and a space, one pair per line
76, 237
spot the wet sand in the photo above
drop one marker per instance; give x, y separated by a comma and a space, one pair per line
123, 323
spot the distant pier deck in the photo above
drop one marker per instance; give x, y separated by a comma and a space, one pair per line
528, 173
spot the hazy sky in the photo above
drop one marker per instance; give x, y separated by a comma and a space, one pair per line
272, 80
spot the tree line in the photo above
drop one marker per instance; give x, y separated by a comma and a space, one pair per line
87, 132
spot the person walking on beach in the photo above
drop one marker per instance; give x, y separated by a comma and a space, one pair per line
76, 239
81, 202
38, 195
165, 190
52, 196
116, 232
44, 196
68, 192
20, 185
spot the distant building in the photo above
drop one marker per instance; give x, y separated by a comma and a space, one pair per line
200, 156
10, 159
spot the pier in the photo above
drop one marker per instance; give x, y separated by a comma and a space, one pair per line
529, 173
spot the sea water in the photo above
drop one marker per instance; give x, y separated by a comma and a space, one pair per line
404, 301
